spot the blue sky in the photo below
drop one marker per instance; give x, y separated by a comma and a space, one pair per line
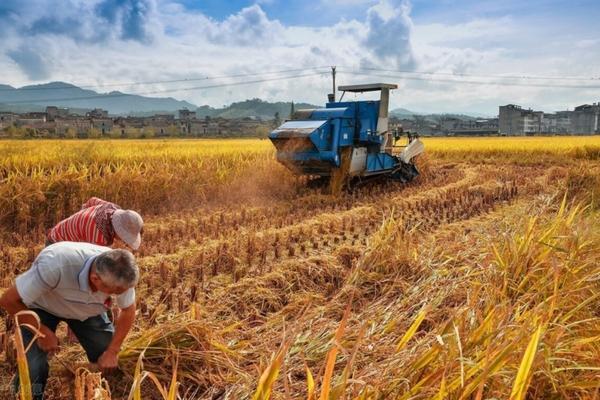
105, 42
423, 11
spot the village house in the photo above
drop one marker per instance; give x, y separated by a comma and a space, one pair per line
583, 120
53, 112
30, 119
60, 122
7, 119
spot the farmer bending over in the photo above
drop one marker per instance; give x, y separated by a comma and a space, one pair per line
99, 222
73, 282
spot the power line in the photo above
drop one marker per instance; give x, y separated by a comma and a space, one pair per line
429, 73
465, 75
220, 85
471, 82
115, 84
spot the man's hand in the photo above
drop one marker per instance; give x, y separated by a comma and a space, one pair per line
48, 343
108, 360
11, 302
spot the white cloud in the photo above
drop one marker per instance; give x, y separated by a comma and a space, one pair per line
388, 40
168, 41
249, 27
347, 2
587, 43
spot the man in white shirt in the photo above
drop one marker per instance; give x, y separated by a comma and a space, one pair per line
73, 282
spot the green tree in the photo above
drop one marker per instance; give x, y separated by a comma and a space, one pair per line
115, 133
132, 133
94, 133
70, 133
172, 130
277, 119
148, 132
262, 131
14, 132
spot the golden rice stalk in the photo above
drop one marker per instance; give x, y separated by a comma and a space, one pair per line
23, 368
139, 376
78, 387
331, 356
172, 395
310, 383
460, 353
136, 387
90, 386
269, 376
412, 329
340, 389
441, 395
522, 380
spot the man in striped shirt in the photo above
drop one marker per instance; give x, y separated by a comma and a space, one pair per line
99, 222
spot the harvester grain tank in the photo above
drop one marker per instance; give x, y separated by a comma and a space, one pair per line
346, 139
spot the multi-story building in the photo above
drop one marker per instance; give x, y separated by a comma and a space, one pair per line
97, 113
103, 125
453, 126
53, 112
585, 119
532, 122
79, 126
515, 121
186, 115
30, 119
557, 123
7, 119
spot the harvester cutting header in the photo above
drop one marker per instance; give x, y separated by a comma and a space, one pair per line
346, 139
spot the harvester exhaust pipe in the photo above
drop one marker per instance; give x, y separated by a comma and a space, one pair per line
382, 122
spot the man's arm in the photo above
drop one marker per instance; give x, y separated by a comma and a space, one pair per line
11, 302
109, 358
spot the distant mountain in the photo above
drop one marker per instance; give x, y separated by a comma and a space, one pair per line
66, 95
79, 100
404, 113
254, 108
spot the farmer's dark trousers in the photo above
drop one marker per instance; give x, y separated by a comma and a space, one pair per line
94, 334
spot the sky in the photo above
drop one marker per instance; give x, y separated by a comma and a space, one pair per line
446, 56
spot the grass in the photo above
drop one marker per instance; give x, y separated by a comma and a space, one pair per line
47, 180
526, 325
479, 280
520, 150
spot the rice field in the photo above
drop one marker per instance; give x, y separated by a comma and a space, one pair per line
480, 279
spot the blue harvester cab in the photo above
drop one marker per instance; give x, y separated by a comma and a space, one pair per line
312, 143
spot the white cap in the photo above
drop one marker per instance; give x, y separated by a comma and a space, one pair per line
128, 225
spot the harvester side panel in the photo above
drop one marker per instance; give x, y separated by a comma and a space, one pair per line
349, 138
366, 114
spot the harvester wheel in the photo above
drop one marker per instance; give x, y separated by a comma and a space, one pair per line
340, 176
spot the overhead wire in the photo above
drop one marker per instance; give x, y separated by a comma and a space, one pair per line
469, 82
365, 71
220, 85
487, 76
155, 82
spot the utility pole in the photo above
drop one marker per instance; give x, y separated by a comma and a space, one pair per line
333, 76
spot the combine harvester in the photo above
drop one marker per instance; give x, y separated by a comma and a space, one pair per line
346, 140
